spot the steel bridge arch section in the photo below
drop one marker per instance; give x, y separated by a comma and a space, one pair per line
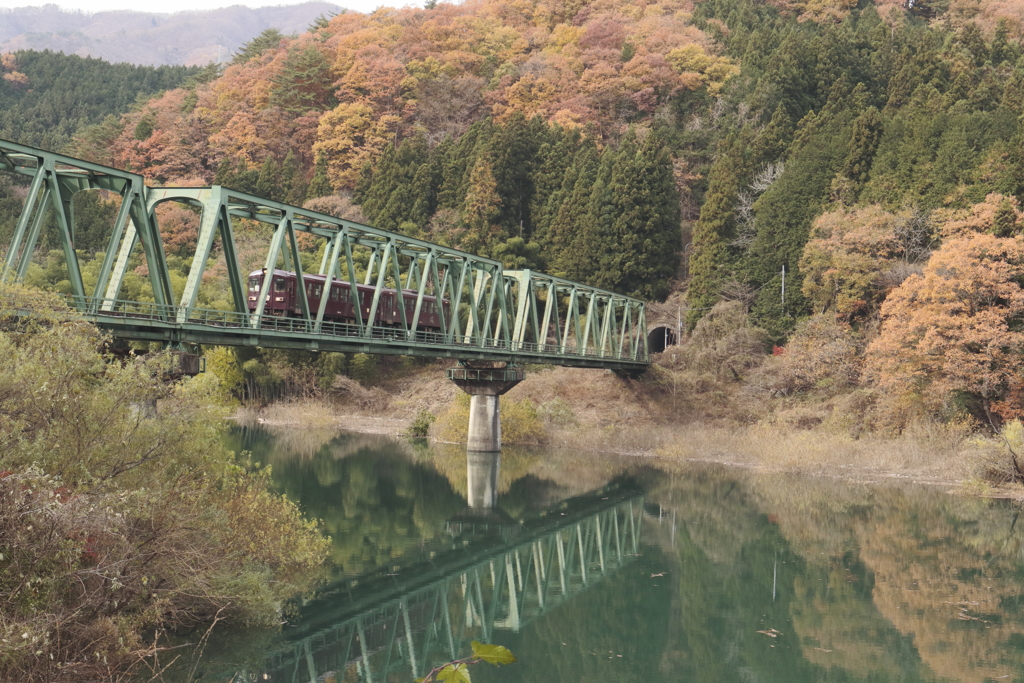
566, 318
56, 178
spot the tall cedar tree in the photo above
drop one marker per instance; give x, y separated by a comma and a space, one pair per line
642, 250
712, 235
569, 208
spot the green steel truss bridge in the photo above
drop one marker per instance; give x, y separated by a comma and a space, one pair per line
400, 625
517, 316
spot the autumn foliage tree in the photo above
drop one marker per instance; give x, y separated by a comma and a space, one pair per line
956, 329
854, 257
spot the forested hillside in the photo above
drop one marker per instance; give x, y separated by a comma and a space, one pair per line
46, 97
846, 173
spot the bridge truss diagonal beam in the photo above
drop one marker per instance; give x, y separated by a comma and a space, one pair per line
496, 314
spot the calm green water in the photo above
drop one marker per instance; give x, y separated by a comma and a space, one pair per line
592, 568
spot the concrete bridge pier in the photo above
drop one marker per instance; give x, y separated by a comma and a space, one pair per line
484, 423
485, 382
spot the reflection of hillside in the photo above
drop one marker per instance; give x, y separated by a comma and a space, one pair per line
933, 581
906, 571
274, 443
376, 503
735, 574
388, 625
841, 629
772, 579
581, 641
450, 460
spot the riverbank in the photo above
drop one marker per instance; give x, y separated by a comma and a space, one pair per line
652, 417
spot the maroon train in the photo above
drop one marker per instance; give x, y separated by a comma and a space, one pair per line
283, 300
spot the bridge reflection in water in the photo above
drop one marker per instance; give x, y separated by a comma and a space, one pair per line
489, 576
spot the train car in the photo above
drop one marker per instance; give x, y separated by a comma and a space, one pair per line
283, 300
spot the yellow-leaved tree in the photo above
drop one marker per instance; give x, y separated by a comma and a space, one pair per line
349, 136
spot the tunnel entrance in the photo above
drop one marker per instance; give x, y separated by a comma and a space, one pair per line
660, 338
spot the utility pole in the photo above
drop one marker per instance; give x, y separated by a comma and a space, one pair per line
783, 284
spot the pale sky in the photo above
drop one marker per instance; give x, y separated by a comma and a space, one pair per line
169, 6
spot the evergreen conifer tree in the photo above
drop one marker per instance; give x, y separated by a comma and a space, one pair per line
376, 182
320, 185
642, 254
867, 131
225, 173
588, 243
553, 160
244, 179
293, 185
714, 230
481, 209
405, 199
268, 184
570, 210
1004, 223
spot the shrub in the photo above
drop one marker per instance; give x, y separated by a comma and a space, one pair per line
724, 343
558, 412
520, 421
113, 523
420, 425
821, 356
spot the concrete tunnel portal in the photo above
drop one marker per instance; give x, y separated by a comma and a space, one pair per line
661, 337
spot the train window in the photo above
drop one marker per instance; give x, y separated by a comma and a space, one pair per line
334, 293
317, 290
254, 284
279, 285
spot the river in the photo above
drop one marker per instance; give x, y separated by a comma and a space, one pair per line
599, 568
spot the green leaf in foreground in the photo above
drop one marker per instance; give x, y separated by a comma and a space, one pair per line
455, 673
492, 654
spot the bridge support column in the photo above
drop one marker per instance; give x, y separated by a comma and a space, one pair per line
485, 383
484, 423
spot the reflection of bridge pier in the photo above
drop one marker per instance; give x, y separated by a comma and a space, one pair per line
373, 627
482, 469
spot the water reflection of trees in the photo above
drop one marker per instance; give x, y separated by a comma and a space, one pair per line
769, 578
869, 582
583, 639
376, 502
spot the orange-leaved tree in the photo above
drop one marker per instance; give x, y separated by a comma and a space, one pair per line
957, 327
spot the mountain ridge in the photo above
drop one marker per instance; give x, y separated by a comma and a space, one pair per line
191, 38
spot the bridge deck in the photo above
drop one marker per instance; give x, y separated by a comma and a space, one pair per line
143, 322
